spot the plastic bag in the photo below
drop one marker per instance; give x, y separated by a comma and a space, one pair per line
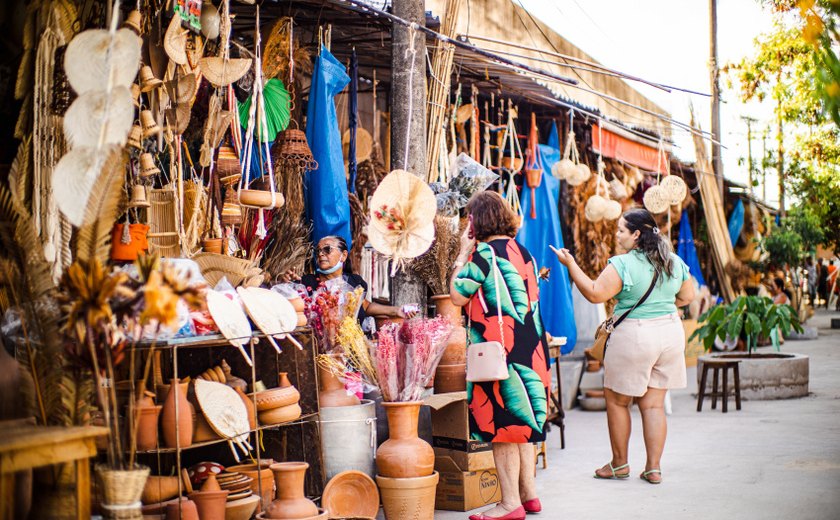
470, 177
450, 203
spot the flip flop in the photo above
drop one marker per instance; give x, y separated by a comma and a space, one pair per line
645, 476
614, 476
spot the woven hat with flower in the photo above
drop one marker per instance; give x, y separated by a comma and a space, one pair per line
402, 213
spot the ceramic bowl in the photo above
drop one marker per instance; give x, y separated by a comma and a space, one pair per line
241, 509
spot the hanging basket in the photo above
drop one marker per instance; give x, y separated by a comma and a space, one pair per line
594, 209
228, 166
656, 200
612, 210
675, 189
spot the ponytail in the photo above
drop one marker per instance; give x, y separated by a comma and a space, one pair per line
651, 241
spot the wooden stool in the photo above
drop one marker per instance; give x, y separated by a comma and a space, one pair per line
542, 452
716, 365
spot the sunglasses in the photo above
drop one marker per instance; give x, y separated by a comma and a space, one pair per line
326, 250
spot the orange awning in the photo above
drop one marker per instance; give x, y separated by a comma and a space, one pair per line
611, 144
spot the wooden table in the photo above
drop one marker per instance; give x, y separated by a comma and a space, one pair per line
26, 447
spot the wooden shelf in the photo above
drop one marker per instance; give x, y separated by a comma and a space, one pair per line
208, 340
299, 420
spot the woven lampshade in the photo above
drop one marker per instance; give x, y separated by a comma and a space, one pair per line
148, 81
150, 126
138, 197
147, 165
135, 137
292, 146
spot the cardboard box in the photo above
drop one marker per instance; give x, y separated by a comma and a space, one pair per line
451, 423
468, 461
465, 490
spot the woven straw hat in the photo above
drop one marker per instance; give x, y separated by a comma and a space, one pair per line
675, 187
656, 199
178, 118
402, 212
223, 408
364, 144
87, 62
175, 41
86, 116
221, 72
229, 318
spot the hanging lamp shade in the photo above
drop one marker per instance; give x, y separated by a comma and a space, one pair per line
277, 113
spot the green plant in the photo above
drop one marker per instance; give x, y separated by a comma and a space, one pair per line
783, 247
747, 317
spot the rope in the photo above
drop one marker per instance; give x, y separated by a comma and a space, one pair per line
410, 52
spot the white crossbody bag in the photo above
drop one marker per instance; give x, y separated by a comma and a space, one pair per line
487, 361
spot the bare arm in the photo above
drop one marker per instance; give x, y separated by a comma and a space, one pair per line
606, 286
467, 246
686, 294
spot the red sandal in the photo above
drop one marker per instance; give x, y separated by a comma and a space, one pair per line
516, 514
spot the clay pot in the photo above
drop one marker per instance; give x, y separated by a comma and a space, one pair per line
408, 498
147, 427
444, 307
159, 489
262, 482
210, 483
283, 380
331, 390
280, 415
203, 431
456, 347
249, 406
230, 379
277, 397
185, 509
404, 454
290, 502
177, 429
212, 245
451, 378
210, 504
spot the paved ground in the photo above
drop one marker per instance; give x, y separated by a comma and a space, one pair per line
771, 460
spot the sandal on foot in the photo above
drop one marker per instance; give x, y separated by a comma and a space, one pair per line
646, 476
614, 474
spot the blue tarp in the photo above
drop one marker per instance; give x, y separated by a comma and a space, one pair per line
687, 251
536, 234
325, 188
736, 222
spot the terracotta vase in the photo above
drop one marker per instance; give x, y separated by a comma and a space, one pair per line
262, 483
451, 378
404, 454
331, 390
177, 429
147, 427
249, 407
283, 380
456, 346
408, 498
290, 502
183, 509
210, 504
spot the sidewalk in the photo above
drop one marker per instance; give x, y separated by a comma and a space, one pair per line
771, 460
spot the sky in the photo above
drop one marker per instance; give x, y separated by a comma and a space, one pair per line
667, 41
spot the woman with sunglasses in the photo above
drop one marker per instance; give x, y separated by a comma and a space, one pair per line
331, 260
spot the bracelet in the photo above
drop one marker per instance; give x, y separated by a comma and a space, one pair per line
458, 263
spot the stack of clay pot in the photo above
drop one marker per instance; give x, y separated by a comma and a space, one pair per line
405, 466
262, 480
278, 405
331, 390
291, 502
451, 373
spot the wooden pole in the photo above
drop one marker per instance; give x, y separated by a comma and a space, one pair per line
749, 121
764, 166
717, 164
781, 163
408, 119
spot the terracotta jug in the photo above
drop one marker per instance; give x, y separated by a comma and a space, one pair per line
210, 504
283, 380
184, 419
331, 390
291, 502
249, 406
147, 426
404, 454
184, 509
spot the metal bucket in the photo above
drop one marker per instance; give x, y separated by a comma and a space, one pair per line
348, 438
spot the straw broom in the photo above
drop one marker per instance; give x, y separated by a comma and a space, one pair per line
439, 87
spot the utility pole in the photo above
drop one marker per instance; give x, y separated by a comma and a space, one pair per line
408, 119
717, 163
749, 121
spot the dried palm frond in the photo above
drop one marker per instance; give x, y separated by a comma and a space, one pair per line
594, 241
434, 266
103, 208
289, 247
369, 174
276, 54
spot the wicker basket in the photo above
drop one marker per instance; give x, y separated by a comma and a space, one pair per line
163, 223
120, 491
292, 146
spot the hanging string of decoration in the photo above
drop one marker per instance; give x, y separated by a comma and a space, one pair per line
533, 164
656, 198
511, 163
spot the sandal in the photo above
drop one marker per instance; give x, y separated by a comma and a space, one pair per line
614, 474
646, 476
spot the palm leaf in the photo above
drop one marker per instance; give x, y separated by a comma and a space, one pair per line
512, 290
524, 396
102, 210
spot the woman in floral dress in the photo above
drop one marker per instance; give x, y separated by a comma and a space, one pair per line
510, 413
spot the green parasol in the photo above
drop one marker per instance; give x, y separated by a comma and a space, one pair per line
276, 110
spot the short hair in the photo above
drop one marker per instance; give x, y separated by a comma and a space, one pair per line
780, 282
492, 215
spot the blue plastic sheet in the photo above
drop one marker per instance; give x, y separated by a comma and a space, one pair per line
687, 251
258, 159
325, 188
536, 234
736, 222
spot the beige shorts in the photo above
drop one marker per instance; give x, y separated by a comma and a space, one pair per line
644, 354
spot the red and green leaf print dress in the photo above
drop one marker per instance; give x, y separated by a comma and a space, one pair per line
513, 410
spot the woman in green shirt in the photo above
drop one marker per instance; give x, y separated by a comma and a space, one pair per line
645, 353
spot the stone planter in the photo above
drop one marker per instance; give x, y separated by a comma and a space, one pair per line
765, 376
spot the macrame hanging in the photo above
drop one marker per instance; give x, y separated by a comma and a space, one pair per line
512, 163
533, 164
